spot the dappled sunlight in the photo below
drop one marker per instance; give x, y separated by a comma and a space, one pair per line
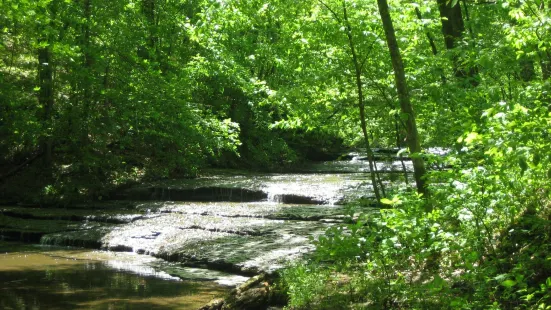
291, 188
197, 241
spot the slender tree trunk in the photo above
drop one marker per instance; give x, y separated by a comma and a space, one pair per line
361, 105
399, 145
545, 59
87, 8
405, 103
430, 38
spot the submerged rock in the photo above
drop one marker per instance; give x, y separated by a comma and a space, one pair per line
243, 245
265, 210
244, 238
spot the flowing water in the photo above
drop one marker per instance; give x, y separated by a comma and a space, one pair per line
176, 244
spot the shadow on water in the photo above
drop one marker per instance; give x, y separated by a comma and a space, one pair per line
33, 280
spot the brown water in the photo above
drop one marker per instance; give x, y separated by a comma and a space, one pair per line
49, 278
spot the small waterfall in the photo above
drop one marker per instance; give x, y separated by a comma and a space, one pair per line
51, 239
273, 197
70, 239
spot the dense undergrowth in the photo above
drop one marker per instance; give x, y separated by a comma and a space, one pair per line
485, 245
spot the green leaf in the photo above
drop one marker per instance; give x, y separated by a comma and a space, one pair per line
437, 284
453, 3
509, 283
537, 159
472, 137
386, 201
522, 164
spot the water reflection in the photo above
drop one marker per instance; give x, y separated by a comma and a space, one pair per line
34, 280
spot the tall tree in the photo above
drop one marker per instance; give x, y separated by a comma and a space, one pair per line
404, 98
361, 103
345, 21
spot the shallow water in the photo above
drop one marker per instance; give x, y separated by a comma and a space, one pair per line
57, 278
240, 223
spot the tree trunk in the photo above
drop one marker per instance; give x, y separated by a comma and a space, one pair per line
433, 48
405, 103
361, 105
453, 28
399, 146
452, 23
545, 61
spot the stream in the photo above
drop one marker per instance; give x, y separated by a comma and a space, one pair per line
175, 244
42, 277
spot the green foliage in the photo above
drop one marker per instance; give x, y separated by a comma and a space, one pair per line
485, 245
125, 91
137, 93
306, 284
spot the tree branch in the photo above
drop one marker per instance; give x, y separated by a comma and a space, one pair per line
331, 10
16, 169
368, 53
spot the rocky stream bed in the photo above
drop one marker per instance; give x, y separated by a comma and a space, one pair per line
223, 227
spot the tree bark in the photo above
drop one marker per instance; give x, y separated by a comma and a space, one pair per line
361, 104
453, 28
404, 98
430, 38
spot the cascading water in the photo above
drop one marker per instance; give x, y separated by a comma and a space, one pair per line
244, 224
